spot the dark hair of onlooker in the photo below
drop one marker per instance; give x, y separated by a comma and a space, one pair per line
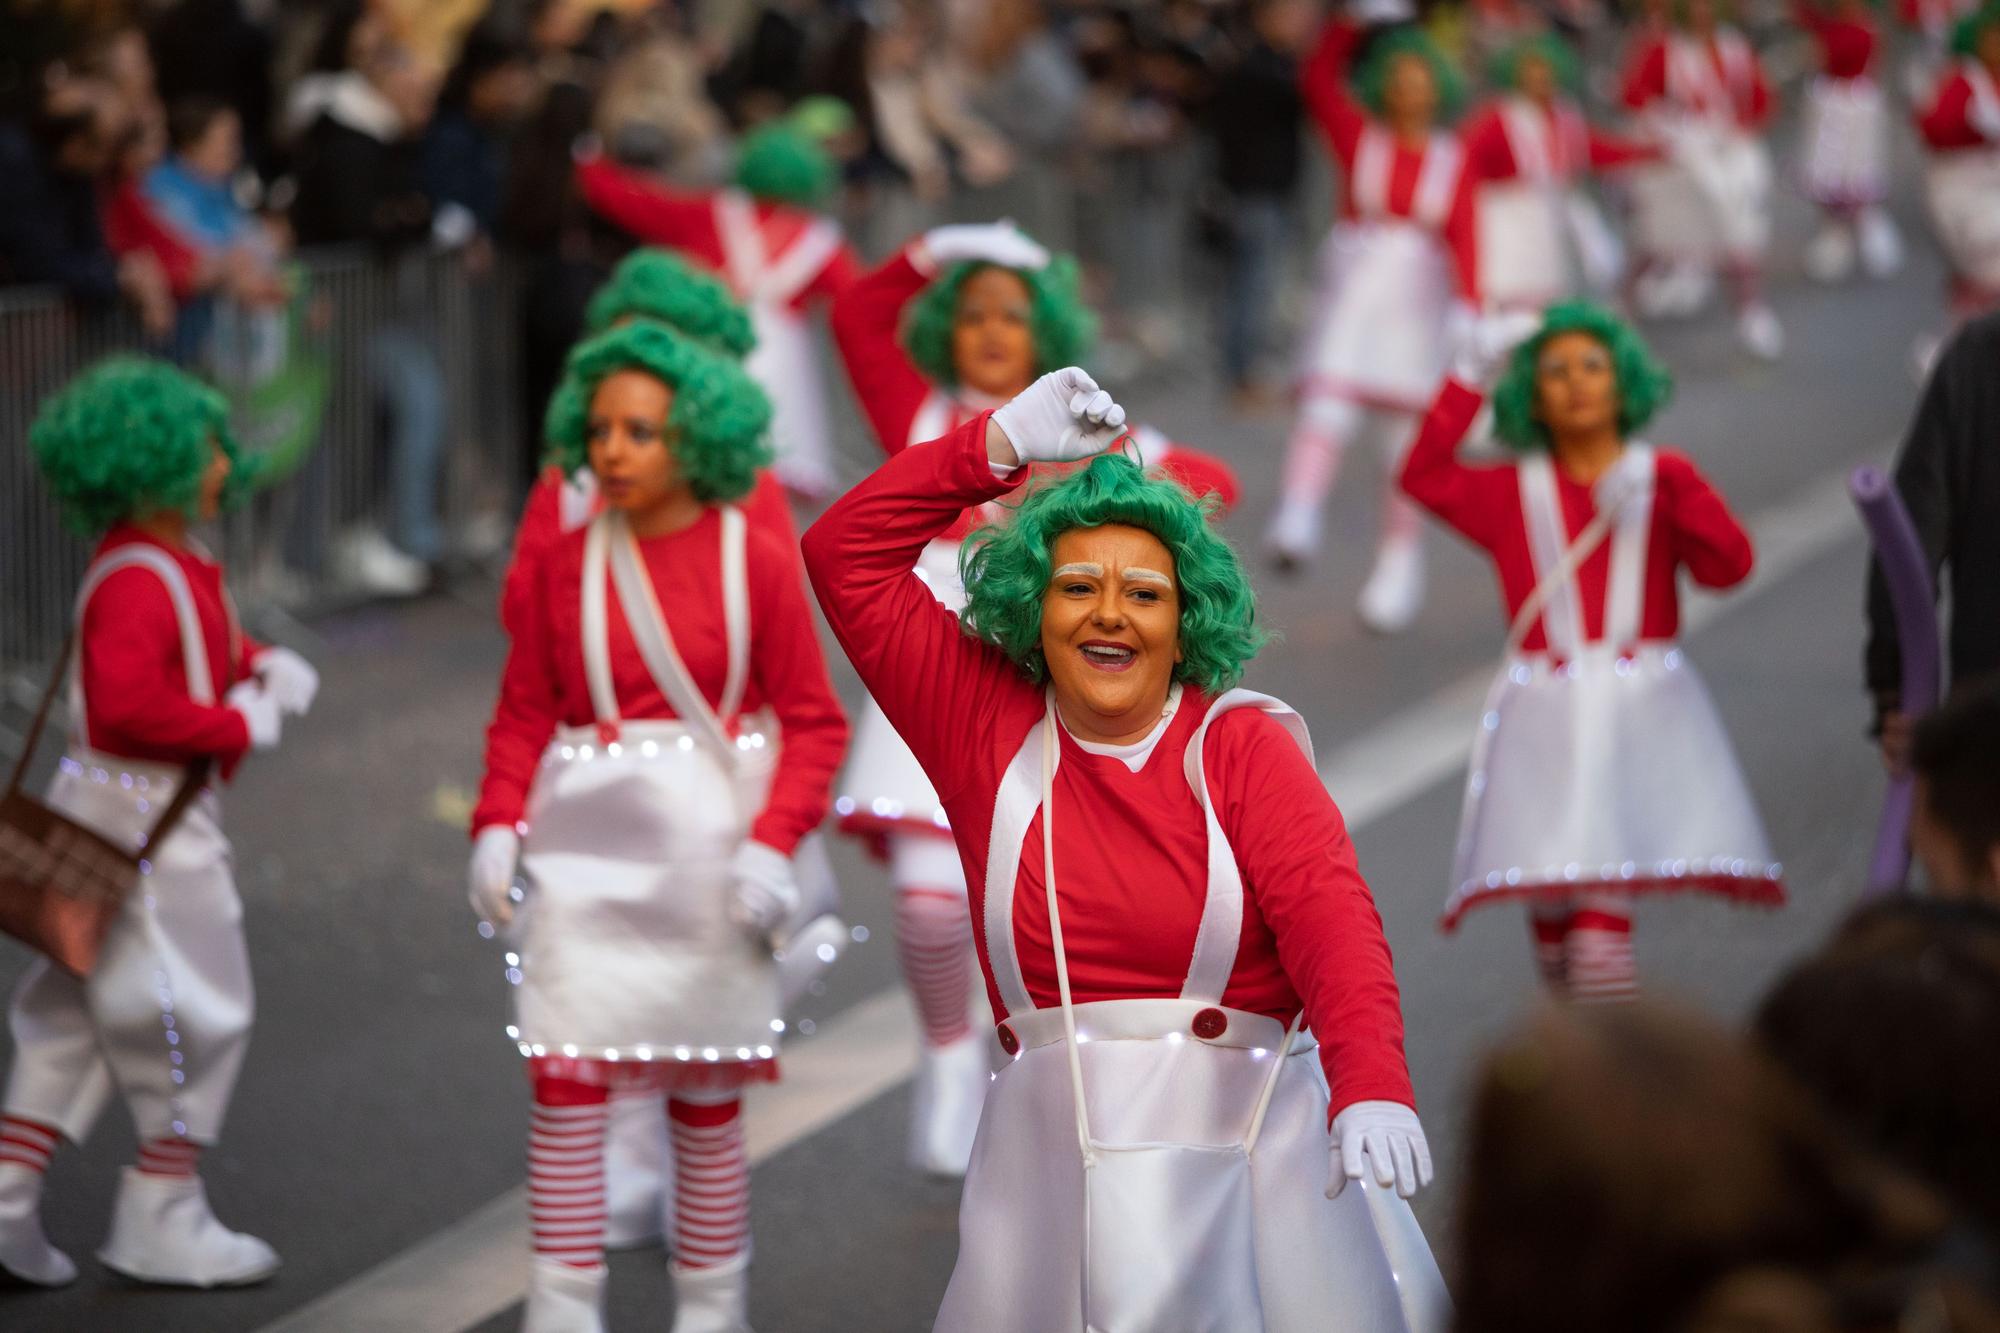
486, 48
331, 53
1956, 755
189, 118
1638, 1168
1895, 1027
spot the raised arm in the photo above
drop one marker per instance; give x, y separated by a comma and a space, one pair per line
791, 673
1706, 537
866, 321
1470, 499
1323, 85
649, 210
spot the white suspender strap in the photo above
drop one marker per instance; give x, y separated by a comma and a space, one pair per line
735, 610
1528, 137
1554, 596
1631, 538
596, 624
576, 499
1373, 158
1014, 806
194, 648
742, 240
1437, 181
656, 643
935, 417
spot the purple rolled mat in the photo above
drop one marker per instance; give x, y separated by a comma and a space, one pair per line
1907, 572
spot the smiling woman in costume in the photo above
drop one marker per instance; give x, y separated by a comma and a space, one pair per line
1197, 909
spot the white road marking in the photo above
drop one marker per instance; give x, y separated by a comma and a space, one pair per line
478, 1266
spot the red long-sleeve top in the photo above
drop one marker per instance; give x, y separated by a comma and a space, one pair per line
1130, 847
135, 681
1692, 526
1953, 120
1740, 77
1575, 145
544, 686
686, 221
547, 516
1323, 86
1846, 46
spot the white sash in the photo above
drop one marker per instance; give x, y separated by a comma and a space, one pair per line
1984, 113
759, 277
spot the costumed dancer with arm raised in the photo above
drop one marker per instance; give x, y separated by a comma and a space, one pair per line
634, 764
959, 321
1166, 896
1600, 769
165, 690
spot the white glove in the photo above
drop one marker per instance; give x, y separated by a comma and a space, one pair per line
763, 890
489, 878
259, 708
290, 679
1061, 416
1393, 1141
1000, 243
1484, 342
1623, 482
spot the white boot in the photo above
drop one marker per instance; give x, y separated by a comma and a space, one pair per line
944, 1115
636, 1162
25, 1251
563, 1298
1394, 592
1881, 243
713, 1300
1293, 537
1760, 333
1830, 253
162, 1231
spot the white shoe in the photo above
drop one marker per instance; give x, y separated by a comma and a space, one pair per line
1881, 243
944, 1115
713, 1300
563, 1298
1394, 592
1293, 537
162, 1231
365, 559
1830, 253
25, 1251
807, 955
1760, 333
636, 1162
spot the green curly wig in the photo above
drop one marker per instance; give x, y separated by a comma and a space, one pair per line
716, 424
1559, 54
129, 435
659, 285
1372, 79
1965, 36
779, 161
1006, 569
1063, 327
1643, 383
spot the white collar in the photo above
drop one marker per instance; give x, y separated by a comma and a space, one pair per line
1133, 754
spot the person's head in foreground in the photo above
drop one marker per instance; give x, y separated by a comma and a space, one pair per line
1582, 375
1893, 1026
135, 440
992, 327
666, 426
1637, 1168
1111, 585
659, 285
1955, 820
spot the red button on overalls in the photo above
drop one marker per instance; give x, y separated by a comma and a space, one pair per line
1008, 1041
1210, 1024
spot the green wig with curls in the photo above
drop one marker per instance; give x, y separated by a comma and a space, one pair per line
659, 285
715, 426
1965, 36
780, 161
131, 435
1063, 327
1559, 55
1643, 383
1006, 569
1371, 81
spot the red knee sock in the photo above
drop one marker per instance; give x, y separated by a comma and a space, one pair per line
169, 1157
934, 943
566, 1171
28, 1143
1599, 948
711, 1183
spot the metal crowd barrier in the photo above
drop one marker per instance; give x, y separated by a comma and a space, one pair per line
311, 394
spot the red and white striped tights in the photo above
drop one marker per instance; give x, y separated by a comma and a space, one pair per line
31, 1143
566, 1174
1327, 424
933, 934
1583, 946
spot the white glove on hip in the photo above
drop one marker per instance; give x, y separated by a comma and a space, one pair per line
259, 708
1388, 1134
290, 679
1061, 416
1484, 342
1000, 243
763, 890
490, 876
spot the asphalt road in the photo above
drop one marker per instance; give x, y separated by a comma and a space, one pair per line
381, 1103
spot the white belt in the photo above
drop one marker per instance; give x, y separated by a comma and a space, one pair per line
646, 738
1150, 1020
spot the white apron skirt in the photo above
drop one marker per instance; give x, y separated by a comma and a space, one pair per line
1597, 766
1730, 171
787, 365
1846, 143
166, 1014
1172, 1174
883, 791
1962, 188
1385, 298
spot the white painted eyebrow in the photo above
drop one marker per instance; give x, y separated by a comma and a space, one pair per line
1138, 574
1089, 567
